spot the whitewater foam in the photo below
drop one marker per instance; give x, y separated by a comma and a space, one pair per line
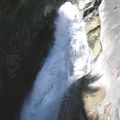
69, 59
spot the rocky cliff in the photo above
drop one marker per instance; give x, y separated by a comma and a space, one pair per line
110, 38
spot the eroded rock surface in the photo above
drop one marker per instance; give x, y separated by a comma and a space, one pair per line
93, 28
110, 37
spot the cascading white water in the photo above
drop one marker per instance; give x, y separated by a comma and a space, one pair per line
68, 60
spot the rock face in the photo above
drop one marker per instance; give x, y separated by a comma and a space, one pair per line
93, 31
93, 26
110, 38
109, 58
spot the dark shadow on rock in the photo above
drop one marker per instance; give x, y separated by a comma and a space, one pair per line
72, 106
25, 39
91, 6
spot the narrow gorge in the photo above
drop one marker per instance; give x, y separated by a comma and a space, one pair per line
59, 60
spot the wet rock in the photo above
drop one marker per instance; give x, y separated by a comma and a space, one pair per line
93, 99
93, 31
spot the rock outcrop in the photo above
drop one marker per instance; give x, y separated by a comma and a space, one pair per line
109, 60
91, 17
110, 38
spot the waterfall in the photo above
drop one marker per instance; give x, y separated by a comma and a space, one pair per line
68, 60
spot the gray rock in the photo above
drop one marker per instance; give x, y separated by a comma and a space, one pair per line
110, 27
